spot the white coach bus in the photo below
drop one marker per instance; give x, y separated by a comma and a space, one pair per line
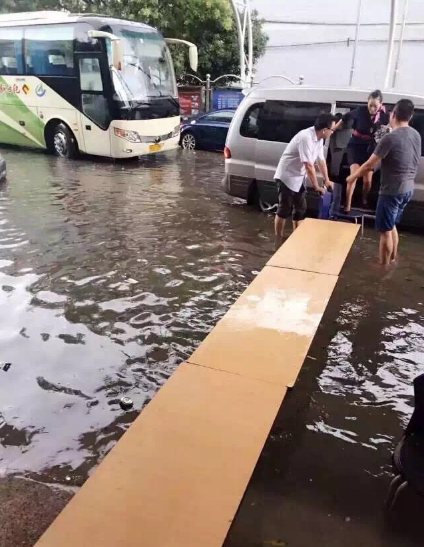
87, 83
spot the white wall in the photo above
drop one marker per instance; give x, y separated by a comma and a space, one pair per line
334, 21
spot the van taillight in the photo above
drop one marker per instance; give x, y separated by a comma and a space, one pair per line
227, 153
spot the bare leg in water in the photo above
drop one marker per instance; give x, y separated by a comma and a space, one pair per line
366, 188
395, 237
279, 224
389, 242
350, 188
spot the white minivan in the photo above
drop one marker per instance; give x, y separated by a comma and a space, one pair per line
266, 121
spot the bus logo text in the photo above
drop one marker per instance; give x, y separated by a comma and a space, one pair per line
7, 89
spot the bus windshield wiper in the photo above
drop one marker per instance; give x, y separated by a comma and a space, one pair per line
136, 102
148, 75
169, 97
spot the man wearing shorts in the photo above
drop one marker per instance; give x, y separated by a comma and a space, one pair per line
298, 163
399, 153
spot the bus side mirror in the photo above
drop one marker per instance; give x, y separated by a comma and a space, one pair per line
193, 54
117, 49
117, 54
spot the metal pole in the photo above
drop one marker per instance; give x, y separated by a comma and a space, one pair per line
402, 32
392, 33
250, 43
355, 47
241, 43
208, 92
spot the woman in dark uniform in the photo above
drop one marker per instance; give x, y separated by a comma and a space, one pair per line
366, 121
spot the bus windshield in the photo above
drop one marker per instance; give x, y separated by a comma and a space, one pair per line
147, 71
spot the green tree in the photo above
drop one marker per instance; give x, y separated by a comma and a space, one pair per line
210, 24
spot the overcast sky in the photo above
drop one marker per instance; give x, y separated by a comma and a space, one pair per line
322, 10
295, 49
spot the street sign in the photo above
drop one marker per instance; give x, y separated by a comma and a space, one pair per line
226, 99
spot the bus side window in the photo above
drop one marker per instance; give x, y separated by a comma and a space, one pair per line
11, 58
418, 124
50, 50
91, 78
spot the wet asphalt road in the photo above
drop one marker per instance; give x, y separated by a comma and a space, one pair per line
111, 275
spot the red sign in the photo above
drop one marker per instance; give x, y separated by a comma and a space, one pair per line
190, 102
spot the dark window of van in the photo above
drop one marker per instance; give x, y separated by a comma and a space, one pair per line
281, 120
249, 126
418, 124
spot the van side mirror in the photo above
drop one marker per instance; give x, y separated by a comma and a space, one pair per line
117, 49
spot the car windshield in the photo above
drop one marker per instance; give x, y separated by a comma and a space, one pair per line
147, 71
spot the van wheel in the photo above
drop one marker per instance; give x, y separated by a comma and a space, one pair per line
62, 142
188, 142
267, 207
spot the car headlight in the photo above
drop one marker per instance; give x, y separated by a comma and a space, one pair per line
131, 136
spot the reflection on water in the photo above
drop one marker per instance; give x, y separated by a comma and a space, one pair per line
110, 275
326, 467
377, 347
286, 311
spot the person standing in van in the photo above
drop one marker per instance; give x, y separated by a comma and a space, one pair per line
400, 154
367, 120
298, 163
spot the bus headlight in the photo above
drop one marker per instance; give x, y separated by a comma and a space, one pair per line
131, 136
176, 132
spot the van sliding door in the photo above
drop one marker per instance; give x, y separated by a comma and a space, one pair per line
279, 122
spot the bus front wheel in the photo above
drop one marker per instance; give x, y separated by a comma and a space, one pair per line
62, 142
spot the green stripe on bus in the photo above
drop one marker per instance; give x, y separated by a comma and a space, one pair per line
18, 111
11, 136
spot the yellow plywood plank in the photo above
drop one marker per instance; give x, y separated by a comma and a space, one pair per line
176, 478
319, 246
267, 333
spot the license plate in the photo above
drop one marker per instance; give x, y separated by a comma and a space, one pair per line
155, 147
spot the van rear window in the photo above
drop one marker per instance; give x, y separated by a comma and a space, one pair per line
280, 121
249, 127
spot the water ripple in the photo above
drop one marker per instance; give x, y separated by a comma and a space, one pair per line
110, 276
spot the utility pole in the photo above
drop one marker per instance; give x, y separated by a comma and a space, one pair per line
355, 47
243, 15
402, 33
391, 45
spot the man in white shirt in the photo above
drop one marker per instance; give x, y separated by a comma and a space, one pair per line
295, 166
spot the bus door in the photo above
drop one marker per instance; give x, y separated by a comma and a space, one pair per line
95, 117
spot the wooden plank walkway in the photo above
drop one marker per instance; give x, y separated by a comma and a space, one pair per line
317, 246
176, 478
267, 333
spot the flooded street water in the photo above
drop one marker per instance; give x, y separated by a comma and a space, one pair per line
112, 274
325, 472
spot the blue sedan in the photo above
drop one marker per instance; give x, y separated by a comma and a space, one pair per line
207, 131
